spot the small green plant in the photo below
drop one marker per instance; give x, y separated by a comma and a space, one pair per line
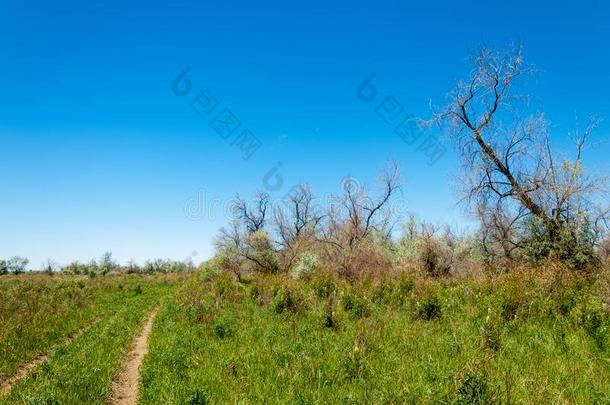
223, 328
353, 363
323, 285
473, 390
491, 332
403, 288
595, 320
327, 316
429, 308
382, 293
355, 305
198, 397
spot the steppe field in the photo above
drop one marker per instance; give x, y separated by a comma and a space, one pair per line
531, 336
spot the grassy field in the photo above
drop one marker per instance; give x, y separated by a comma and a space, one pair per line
399, 339
524, 337
39, 313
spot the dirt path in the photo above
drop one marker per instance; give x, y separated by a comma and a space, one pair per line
125, 387
24, 370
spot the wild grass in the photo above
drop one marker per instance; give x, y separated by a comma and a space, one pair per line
534, 336
38, 311
81, 371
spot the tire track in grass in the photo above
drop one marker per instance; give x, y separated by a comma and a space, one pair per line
125, 386
25, 369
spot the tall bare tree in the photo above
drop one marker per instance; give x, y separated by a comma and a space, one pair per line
510, 170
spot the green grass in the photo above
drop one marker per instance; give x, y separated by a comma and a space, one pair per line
38, 311
81, 372
434, 341
526, 337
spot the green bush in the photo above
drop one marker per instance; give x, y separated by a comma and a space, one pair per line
198, 397
575, 245
305, 265
287, 299
491, 332
403, 288
593, 317
3, 267
473, 390
223, 327
429, 308
355, 305
323, 285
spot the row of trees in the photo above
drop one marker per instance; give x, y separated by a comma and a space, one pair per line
532, 203
15, 265
105, 265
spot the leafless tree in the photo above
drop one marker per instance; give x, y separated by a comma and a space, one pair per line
366, 214
245, 244
253, 218
297, 217
510, 171
356, 217
297, 221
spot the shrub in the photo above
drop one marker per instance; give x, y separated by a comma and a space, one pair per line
429, 308
76, 268
403, 288
198, 397
491, 332
305, 265
593, 317
287, 299
3, 267
223, 328
327, 317
355, 305
225, 287
260, 249
382, 292
17, 264
106, 264
323, 285
473, 390
575, 245
435, 257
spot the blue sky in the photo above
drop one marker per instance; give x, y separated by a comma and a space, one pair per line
98, 153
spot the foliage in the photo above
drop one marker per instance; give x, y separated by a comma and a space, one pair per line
429, 308
15, 265
305, 265
575, 245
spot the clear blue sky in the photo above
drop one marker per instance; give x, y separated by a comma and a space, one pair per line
98, 154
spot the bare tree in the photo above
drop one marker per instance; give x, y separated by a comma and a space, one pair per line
297, 222
298, 217
510, 171
356, 217
253, 218
245, 245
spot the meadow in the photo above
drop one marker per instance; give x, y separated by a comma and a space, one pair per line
532, 335
64, 337
527, 337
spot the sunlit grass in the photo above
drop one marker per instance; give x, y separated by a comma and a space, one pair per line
225, 342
